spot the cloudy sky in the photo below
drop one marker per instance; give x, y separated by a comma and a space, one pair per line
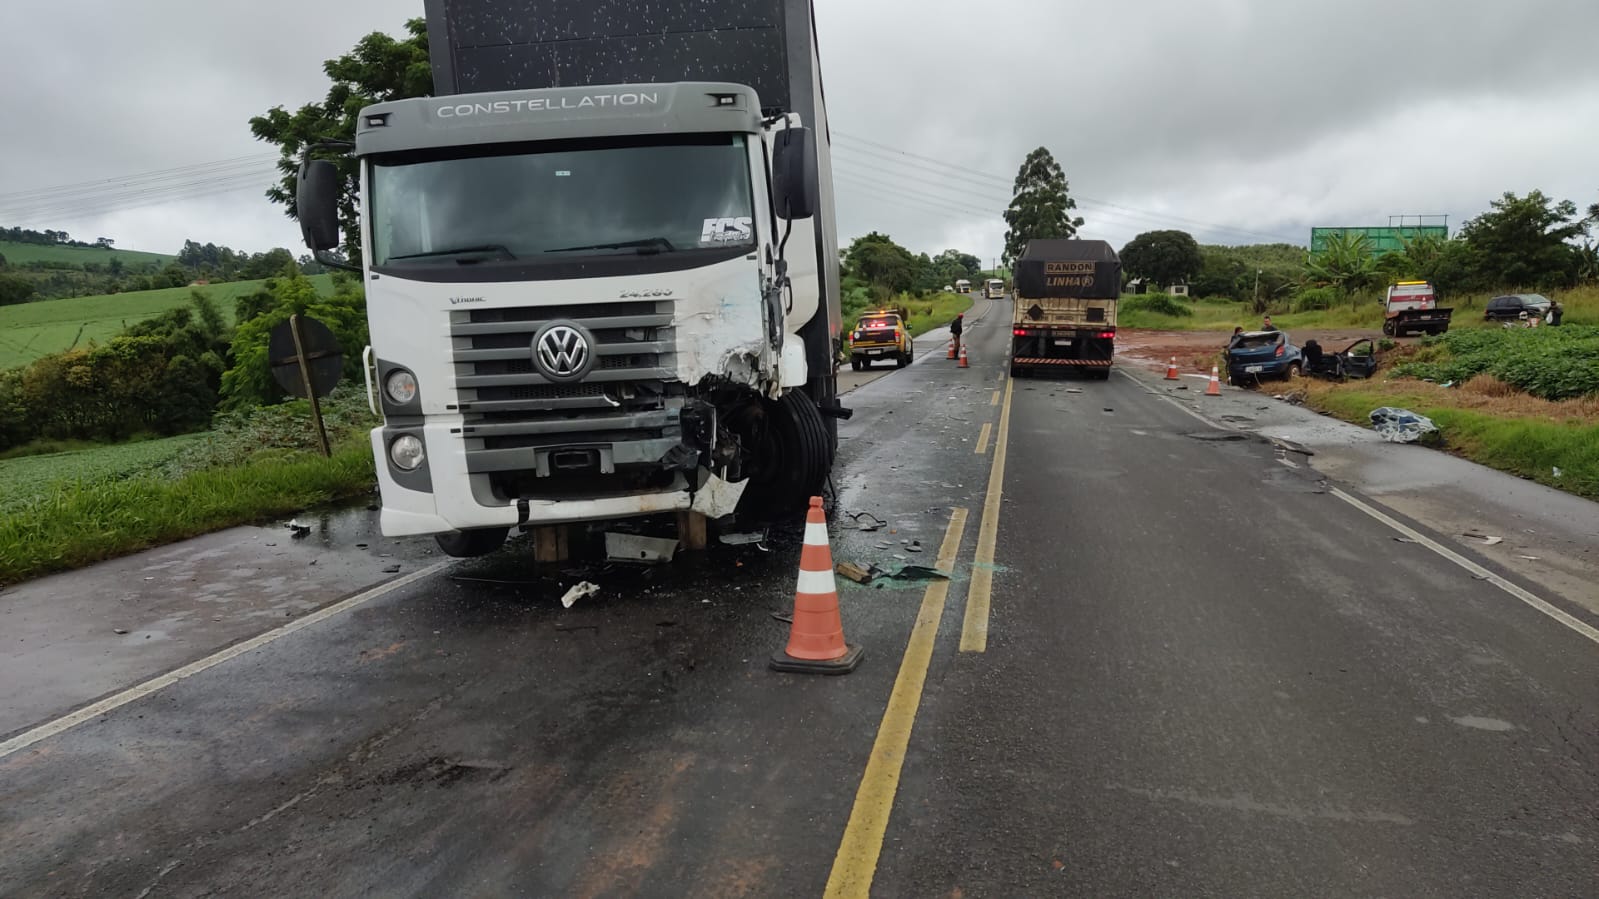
1239, 120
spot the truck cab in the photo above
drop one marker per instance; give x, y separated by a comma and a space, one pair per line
995, 289
1411, 307
590, 298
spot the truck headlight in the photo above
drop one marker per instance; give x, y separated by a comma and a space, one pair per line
406, 452
400, 386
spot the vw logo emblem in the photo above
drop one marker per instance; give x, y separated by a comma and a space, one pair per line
562, 351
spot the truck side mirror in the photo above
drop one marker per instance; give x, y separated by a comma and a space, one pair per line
316, 202
794, 178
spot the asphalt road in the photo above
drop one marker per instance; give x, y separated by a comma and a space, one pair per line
1202, 672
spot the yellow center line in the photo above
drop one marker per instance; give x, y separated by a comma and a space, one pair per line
982, 437
856, 861
974, 631
994, 401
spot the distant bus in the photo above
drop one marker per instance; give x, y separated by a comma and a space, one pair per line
996, 289
963, 286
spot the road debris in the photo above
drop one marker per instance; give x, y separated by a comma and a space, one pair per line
919, 573
876, 524
718, 498
1406, 540
1401, 425
786, 619
744, 538
1486, 539
122, 631
1530, 558
860, 574
579, 591
1283, 443
298, 530
621, 547
391, 569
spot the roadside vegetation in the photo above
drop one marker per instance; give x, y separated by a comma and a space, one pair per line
1519, 400
880, 274
67, 510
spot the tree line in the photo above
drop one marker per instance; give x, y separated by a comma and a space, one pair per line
49, 238
1530, 242
25, 281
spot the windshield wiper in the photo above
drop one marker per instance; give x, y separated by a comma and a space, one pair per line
645, 246
460, 251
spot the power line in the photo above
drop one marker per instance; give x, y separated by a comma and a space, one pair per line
1112, 217
180, 173
148, 196
973, 174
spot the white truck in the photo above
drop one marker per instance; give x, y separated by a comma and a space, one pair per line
601, 267
994, 289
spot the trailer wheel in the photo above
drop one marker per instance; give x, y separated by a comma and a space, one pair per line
855, 363
471, 544
1389, 329
790, 455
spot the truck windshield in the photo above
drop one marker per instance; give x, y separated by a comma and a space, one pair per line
556, 201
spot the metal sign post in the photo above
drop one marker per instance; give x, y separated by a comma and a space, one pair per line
306, 363
305, 378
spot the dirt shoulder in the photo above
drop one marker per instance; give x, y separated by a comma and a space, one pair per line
1197, 351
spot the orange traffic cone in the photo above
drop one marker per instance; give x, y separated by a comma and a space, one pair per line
952, 348
1214, 387
964, 363
1171, 370
816, 638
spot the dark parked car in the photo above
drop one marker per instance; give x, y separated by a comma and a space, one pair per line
1255, 355
1509, 308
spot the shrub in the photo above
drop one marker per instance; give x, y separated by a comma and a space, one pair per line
1314, 299
1552, 363
1158, 304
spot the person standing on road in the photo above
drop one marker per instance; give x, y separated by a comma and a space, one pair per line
1266, 325
1552, 317
955, 330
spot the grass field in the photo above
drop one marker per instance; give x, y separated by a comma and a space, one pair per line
31, 330
17, 253
29, 478
75, 524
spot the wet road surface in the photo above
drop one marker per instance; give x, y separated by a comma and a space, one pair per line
1202, 673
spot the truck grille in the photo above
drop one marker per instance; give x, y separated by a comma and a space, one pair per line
512, 416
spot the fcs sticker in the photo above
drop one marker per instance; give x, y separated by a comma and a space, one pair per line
727, 230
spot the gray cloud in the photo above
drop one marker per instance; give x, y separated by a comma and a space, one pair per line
1240, 120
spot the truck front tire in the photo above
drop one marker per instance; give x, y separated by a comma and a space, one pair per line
792, 456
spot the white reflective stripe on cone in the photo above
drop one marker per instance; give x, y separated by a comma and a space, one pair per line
815, 534
818, 582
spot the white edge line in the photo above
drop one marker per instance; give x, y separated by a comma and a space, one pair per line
1173, 400
161, 682
1570, 621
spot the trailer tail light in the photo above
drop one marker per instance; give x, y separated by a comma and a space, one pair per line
1019, 333
1107, 335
